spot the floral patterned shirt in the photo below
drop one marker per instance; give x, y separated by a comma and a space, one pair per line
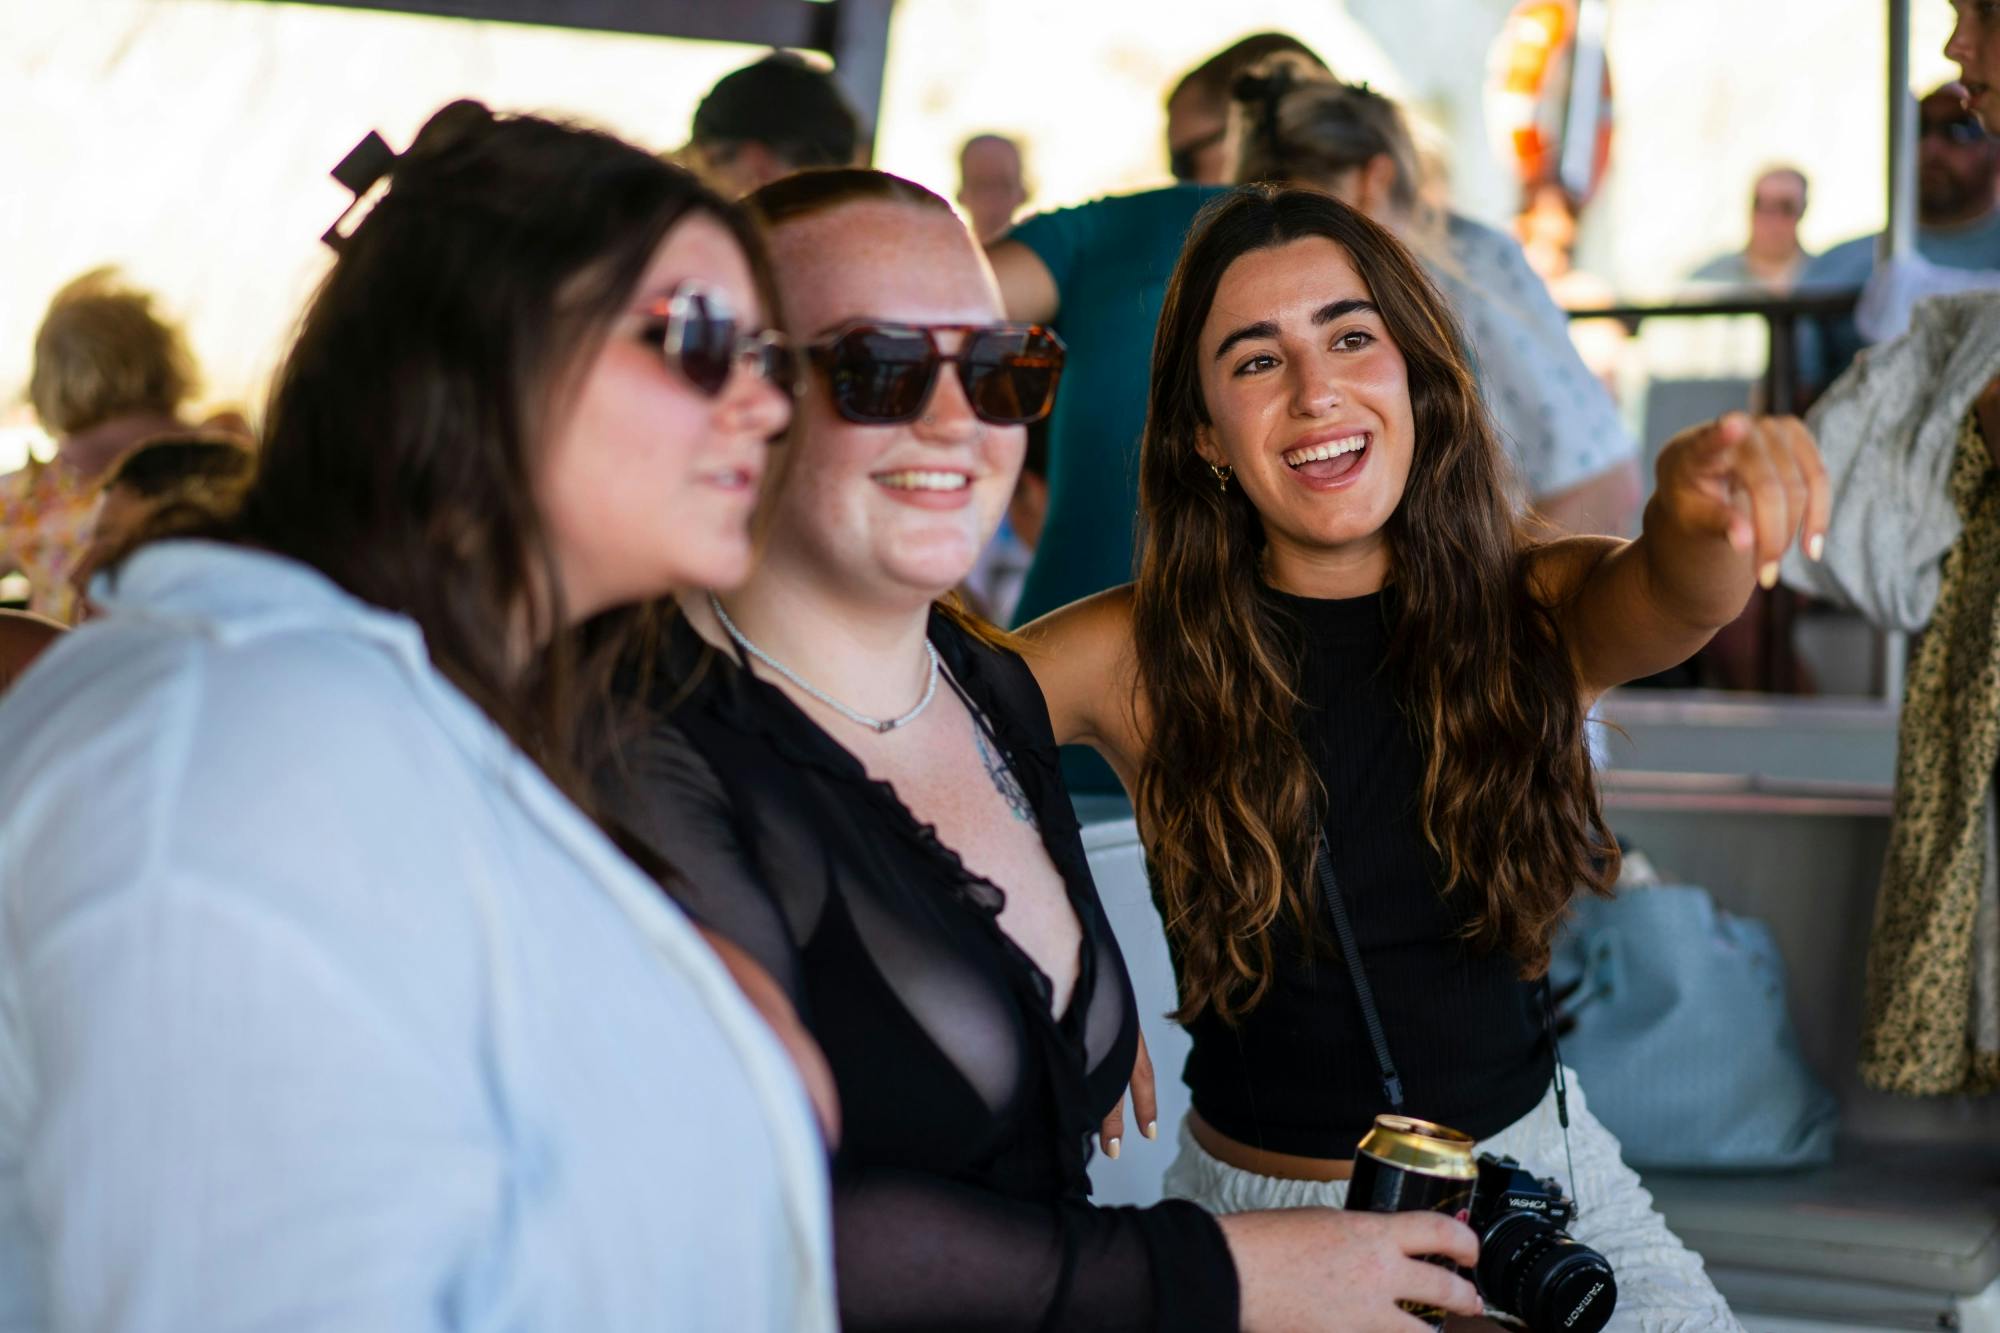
46, 515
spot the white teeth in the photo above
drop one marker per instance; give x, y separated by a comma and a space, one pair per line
924, 481
1321, 452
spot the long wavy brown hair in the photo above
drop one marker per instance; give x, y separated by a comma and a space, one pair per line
1227, 796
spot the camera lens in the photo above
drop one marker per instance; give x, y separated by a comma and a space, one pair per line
1552, 1282
1571, 1287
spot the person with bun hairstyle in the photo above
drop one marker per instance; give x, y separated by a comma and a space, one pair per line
859, 783
325, 1001
1342, 630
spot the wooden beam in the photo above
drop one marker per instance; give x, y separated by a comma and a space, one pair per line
797, 23
854, 32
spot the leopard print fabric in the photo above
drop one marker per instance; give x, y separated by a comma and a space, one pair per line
1921, 1019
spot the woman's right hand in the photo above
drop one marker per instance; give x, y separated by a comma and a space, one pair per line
1322, 1268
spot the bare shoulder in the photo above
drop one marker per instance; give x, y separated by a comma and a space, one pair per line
1097, 629
1082, 656
1557, 570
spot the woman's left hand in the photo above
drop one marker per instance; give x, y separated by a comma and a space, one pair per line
1731, 497
1144, 1107
1756, 482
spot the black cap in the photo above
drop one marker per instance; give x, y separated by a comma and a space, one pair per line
791, 107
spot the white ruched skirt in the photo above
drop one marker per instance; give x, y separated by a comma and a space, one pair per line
1662, 1286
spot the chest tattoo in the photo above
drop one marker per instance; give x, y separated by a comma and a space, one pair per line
1002, 776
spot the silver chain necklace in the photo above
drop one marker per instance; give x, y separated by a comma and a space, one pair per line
874, 724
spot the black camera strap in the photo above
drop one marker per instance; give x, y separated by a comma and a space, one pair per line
1364, 994
1336, 907
1562, 1087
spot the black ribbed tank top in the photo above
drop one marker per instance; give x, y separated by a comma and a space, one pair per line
1297, 1074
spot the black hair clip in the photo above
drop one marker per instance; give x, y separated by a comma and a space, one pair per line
360, 171
1267, 91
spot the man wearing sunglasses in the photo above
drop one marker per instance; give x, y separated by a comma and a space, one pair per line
1773, 259
1958, 228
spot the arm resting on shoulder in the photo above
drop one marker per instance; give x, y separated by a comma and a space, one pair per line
1084, 659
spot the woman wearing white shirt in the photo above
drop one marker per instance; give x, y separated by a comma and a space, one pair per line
322, 1004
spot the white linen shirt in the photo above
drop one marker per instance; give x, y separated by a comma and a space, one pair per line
321, 1008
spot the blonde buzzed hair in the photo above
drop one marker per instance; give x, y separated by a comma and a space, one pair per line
102, 353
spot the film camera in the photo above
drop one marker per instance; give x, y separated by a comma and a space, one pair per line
1529, 1266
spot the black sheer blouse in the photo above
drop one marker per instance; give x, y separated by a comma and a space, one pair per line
960, 1195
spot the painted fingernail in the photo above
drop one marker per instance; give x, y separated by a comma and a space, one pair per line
1111, 1149
1768, 575
1816, 545
1152, 1129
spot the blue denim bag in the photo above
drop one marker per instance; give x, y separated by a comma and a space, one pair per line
1681, 1037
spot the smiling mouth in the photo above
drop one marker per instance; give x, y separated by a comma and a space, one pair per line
923, 480
1328, 461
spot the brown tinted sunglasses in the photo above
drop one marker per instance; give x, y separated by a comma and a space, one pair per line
880, 374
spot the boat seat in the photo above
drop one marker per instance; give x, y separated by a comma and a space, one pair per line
1891, 1235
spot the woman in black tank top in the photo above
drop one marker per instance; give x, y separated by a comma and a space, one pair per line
1339, 625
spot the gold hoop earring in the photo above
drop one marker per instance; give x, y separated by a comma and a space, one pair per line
1222, 474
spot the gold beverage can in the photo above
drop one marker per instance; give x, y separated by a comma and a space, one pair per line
1405, 1165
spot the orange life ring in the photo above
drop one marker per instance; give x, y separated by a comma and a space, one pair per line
1528, 96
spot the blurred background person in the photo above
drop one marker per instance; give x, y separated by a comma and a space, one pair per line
780, 115
108, 373
1546, 228
1958, 225
1773, 259
170, 483
1198, 107
992, 184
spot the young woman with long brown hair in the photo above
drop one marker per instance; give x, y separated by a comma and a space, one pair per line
1339, 625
